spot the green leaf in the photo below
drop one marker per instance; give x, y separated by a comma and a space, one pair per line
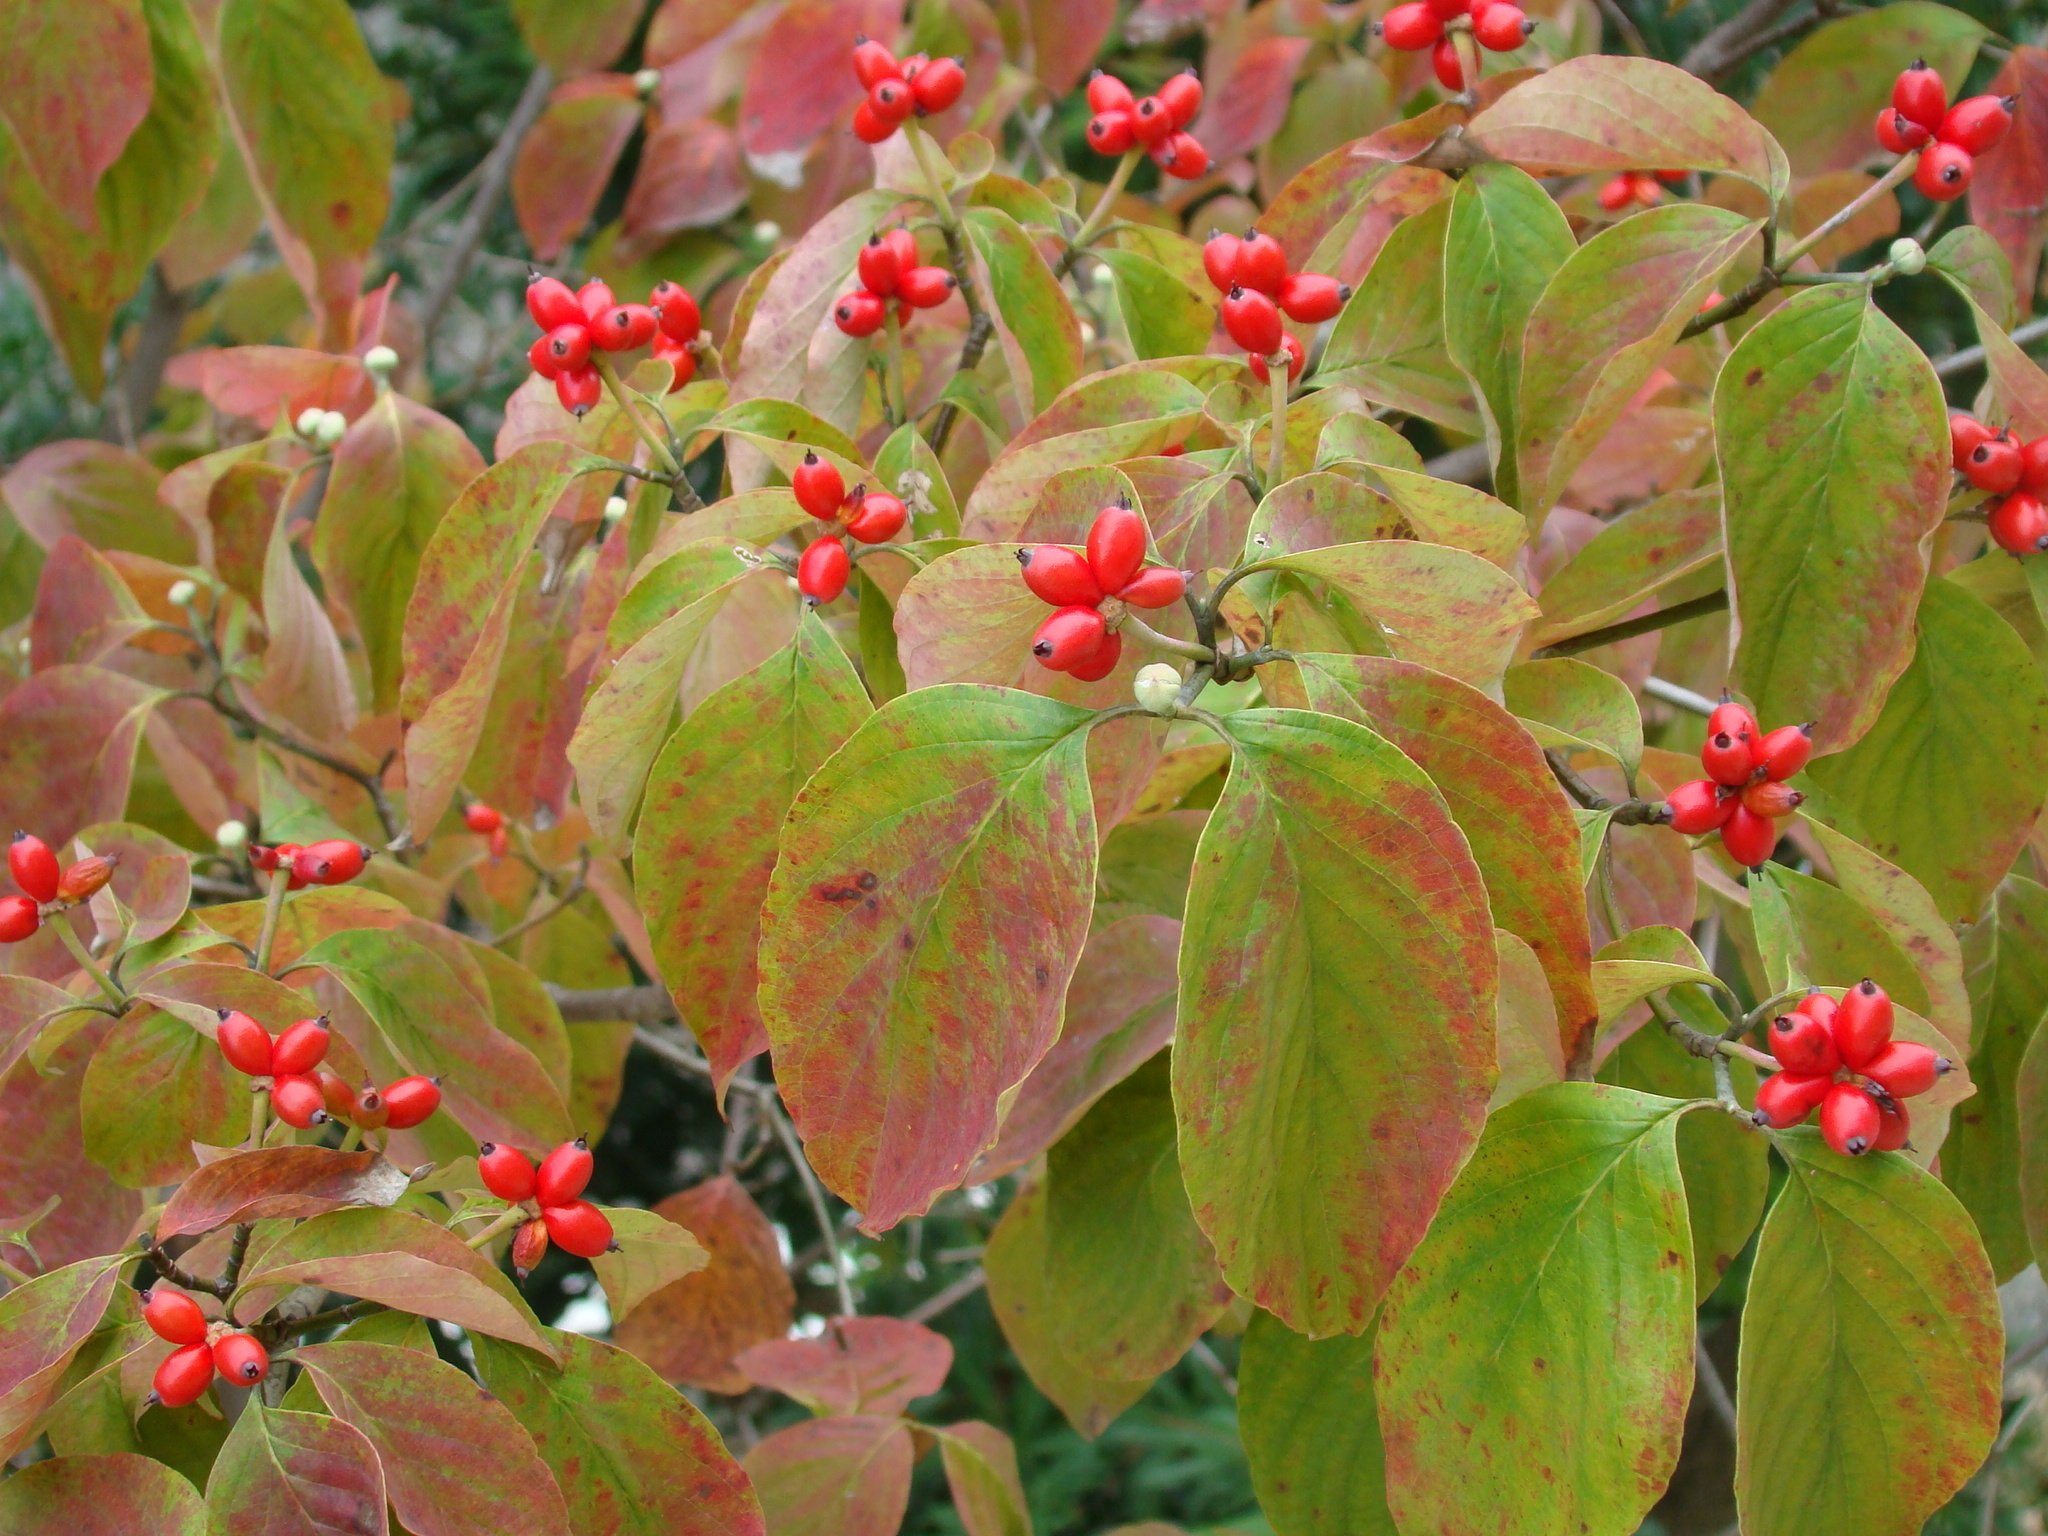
653, 1253
192, 1093
981, 1471
312, 113
457, 1462
633, 1456
1646, 960
1593, 830
1311, 1426
785, 432
102, 1496
42, 1325
1572, 704
846, 1476
294, 1474
1036, 324
1833, 445
1388, 343
907, 453
1137, 1280
1542, 1335
574, 37
1445, 512
926, 911
1164, 316
77, 84
1501, 793
1828, 938
1603, 323
1630, 559
1970, 258
1505, 241
1901, 907
1944, 783
1337, 975
1871, 1350
1993, 1158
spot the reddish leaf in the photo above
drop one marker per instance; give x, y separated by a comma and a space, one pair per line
857, 1365
691, 1330
691, 174
456, 1462
305, 678
279, 1182
1242, 111
266, 383
83, 610
1065, 37
192, 1094
801, 82
295, 1474
74, 84
2007, 192
25, 1004
150, 888
97, 492
834, 1477
67, 749
681, 27
43, 1154
115, 1495
568, 156
42, 1324
573, 36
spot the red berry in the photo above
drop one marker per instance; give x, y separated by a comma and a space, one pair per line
1112, 133
904, 244
1116, 546
1645, 189
299, 1102
1182, 96
540, 357
939, 84
1181, 156
867, 127
623, 328
564, 1173
86, 878
368, 1110
1219, 260
926, 287
552, 302
1158, 587
2034, 467
1785, 1098
819, 487
579, 391
506, 1171
1312, 298
1965, 433
1106, 93
1976, 125
1295, 358
529, 1247
1995, 465
1261, 264
481, 818
676, 311
1820, 1006
1894, 1127
1804, 1044
1060, 576
33, 866
1898, 134
880, 264
1451, 10
1863, 1024
345, 860
1944, 172
1151, 122
594, 298
1095, 668
1701, 806
245, 1043
1905, 1069
1729, 760
1450, 72
500, 845
336, 1096
301, 1048
2019, 524
267, 859
184, 1376
1411, 27
173, 1316
1502, 27
1253, 321
1671, 178
1849, 1120
822, 569
1785, 751
1734, 719
872, 62
859, 313
878, 518
19, 919
567, 347
679, 356
1920, 96
578, 1227
1766, 798
1748, 837
1068, 638
1617, 193
241, 1359
409, 1101
891, 101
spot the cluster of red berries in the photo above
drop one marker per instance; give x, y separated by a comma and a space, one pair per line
2015, 473
1947, 138
489, 822
1157, 124
554, 1189
300, 1094
45, 884
1637, 187
871, 517
204, 1348
575, 322
1744, 792
1841, 1059
1419, 24
332, 861
889, 269
1093, 591
1251, 274
899, 88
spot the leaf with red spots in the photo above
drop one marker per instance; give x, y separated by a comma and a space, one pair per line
456, 1460
651, 1253
42, 1325
1536, 1356
1311, 1427
84, 610
283, 1473
102, 1496
1336, 1046
633, 1457
564, 162
1629, 561
97, 492
1871, 1349
926, 912
857, 1365
835, 1477
273, 1183
691, 1330
1065, 37
68, 738
1833, 443
2009, 186
706, 840
260, 383
75, 82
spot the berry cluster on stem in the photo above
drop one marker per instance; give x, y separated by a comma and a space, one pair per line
891, 268
488, 822
1094, 593
868, 517
205, 1348
1744, 793
1251, 274
1946, 138
1498, 25
1157, 124
303, 1096
2013, 473
46, 886
1841, 1059
554, 1191
898, 89
579, 326
332, 861
1645, 187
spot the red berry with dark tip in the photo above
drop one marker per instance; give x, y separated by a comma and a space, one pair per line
298, 1102
19, 919
926, 287
1116, 546
529, 1247
1182, 96
623, 327
331, 861
579, 391
819, 487
1977, 124
1252, 321
33, 866
1849, 1120
2018, 524
675, 311
1312, 298
1261, 264
1106, 93
878, 518
245, 1043
564, 1173
1804, 1044
1112, 133
1729, 759
578, 1227
368, 1110
1749, 838
1898, 134
1181, 156
482, 818
568, 346
1895, 1126
1995, 465
173, 1316
1701, 806
822, 569
410, 1101
1093, 669
301, 1048
939, 84
1965, 434
872, 62
1411, 27
241, 1359
1219, 260
1068, 638
552, 303
86, 877
1767, 798
1905, 1068
868, 128
1785, 751
1784, 1099
336, 1096
1944, 172
506, 1171
1151, 122
880, 265
1159, 587
1734, 719
1920, 96
1449, 68
1863, 1024
1502, 27
860, 313
1060, 576
594, 298
184, 1376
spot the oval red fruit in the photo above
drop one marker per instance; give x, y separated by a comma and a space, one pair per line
1616, 193
1898, 134
86, 878
1944, 172
1095, 668
1965, 433
1411, 27
1785, 1098
1151, 122
564, 1173
859, 313
173, 1316
1995, 465
1701, 806
1181, 156
19, 919
298, 1102
1895, 1126
409, 1101
623, 328
301, 1048
1060, 576
1182, 96
245, 1043
1863, 1024
867, 127
1312, 298
479, 817
1804, 1044
1116, 546
1159, 587
506, 1171
368, 1110
338, 861
529, 1247
1068, 638
891, 101
1766, 798
1450, 70
1920, 96
241, 1359
1748, 837
1106, 93
1219, 259
1905, 1068
872, 62
822, 570
1252, 321
184, 1376
1112, 133
1733, 719
820, 488
594, 298
579, 1227
1295, 358
675, 311
878, 519
939, 84
1849, 1120
2018, 524
552, 302
1502, 27
33, 866
579, 391
1785, 751
926, 287
1729, 759
1977, 124
1261, 264
568, 346
879, 265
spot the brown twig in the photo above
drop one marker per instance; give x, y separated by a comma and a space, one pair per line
1753, 28
1642, 624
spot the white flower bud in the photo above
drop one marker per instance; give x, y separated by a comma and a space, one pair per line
183, 592
1156, 686
614, 509
381, 361
309, 421
646, 82
1907, 258
767, 232
230, 835
333, 427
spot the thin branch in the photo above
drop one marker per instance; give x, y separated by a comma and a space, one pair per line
1742, 35
676, 1053
1964, 360
1716, 1390
370, 782
980, 325
785, 1132
142, 375
608, 1005
1627, 813
1642, 624
175, 1272
533, 920
946, 1299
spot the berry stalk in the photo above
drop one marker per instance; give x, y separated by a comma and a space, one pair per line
1099, 214
273, 908
896, 403
1900, 172
1276, 452
503, 1222
979, 326
603, 364
90, 966
1133, 625
1468, 61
